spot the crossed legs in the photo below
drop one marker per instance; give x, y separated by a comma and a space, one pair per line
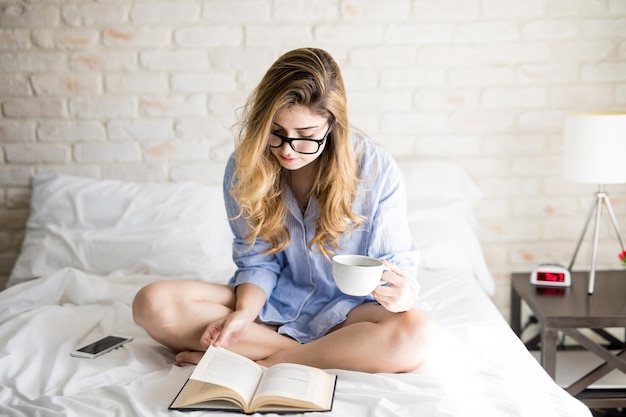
372, 339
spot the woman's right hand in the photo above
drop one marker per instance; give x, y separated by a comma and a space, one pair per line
227, 331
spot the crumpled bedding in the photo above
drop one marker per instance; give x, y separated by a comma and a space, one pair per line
479, 368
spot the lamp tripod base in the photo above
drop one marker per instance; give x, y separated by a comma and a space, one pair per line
602, 198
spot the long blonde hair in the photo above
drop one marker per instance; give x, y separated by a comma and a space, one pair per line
309, 77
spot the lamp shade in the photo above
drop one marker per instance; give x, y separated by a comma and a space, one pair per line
594, 148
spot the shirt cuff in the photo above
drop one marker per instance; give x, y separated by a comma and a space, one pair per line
259, 277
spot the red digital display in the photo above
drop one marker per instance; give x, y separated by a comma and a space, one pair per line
550, 276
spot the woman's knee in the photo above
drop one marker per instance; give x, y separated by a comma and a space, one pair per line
413, 334
150, 302
165, 302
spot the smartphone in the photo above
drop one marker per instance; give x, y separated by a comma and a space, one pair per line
101, 346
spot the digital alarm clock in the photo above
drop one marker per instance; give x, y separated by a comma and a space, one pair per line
551, 275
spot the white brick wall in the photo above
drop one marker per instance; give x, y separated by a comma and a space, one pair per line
149, 90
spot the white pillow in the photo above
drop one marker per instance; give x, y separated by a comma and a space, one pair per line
181, 229
441, 198
450, 243
101, 226
438, 185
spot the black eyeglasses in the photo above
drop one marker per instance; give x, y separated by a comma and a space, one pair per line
304, 146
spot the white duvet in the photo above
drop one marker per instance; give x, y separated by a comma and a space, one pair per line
479, 369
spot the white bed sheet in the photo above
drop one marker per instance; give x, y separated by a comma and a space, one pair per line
479, 369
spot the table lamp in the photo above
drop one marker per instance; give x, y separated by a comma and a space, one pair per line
594, 151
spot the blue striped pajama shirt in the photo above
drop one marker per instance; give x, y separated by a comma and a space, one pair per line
303, 300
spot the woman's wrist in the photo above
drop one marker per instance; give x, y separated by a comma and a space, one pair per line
250, 300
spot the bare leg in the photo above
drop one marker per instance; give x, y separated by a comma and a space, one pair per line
176, 313
371, 339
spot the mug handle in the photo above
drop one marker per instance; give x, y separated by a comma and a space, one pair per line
383, 282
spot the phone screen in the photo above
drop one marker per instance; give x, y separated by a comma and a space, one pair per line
102, 344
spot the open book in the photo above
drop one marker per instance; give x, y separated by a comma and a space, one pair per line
224, 380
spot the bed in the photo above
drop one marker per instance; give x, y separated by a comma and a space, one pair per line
91, 244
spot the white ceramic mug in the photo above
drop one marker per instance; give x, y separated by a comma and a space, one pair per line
357, 274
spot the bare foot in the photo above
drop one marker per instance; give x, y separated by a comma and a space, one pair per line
186, 357
264, 363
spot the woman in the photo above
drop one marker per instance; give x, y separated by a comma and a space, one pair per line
299, 188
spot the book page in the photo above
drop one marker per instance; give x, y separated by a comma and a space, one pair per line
197, 394
304, 385
221, 367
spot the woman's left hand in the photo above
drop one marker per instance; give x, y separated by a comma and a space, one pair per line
399, 295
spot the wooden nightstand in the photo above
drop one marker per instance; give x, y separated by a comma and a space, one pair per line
569, 309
